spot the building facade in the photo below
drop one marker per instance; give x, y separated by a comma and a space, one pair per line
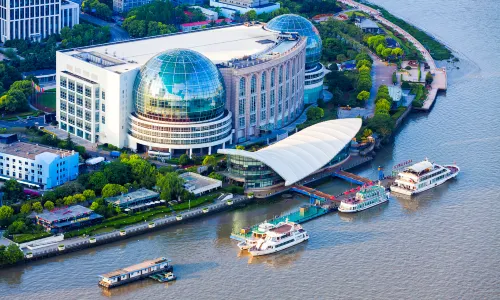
36, 19
292, 159
36, 165
121, 6
132, 94
68, 218
229, 7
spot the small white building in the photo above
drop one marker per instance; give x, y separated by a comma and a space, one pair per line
36, 165
209, 14
199, 184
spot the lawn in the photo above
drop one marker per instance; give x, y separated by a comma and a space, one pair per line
23, 115
45, 101
26, 237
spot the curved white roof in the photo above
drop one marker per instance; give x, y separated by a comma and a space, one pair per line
305, 152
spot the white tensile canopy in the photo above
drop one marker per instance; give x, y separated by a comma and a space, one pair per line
305, 152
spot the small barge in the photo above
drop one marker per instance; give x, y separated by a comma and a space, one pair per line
164, 277
135, 272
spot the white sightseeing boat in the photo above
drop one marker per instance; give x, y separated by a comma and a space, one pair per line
257, 234
281, 237
423, 176
364, 199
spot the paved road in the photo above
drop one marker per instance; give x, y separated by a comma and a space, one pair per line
22, 122
189, 214
117, 33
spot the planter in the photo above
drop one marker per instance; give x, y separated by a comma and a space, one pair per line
29, 255
61, 247
178, 217
151, 225
229, 202
92, 240
250, 195
123, 232
205, 210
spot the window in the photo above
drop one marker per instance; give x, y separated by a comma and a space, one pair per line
280, 75
79, 88
71, 85
71, 97
262, 115
253, 84
103, 107
242, 121
253, 105
287, 72
63, 81
263, 81
63, 94
103, 95
88, 91
252, 119
103, 119
273, 77
79, 100
242, 86
241, 106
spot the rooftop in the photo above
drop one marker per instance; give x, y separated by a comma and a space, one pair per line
129, 269
30, 151
201, 23
64, 213
305, 152
132, 197
196, 183
219, 44
367, 23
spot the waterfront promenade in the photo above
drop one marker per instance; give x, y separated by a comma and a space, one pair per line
79, 243
440, 75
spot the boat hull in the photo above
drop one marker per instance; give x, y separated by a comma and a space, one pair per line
343, 210
403, 191
274, 250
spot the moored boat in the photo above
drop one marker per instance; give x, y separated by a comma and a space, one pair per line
423, 176
283, 236
135, 272
164, 277
257, 234
364, 199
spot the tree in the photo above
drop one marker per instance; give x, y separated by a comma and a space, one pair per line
363, 62
367, 132
381, 124
386, 52
382, 106
341, 58
428, 78
239, 147
97, 181
89, 194
363, 56
397, 52
210, 160
49, 205
12, 254
23, 86
79, 198
94, 206
394, 78
142, 171
315, 113
26, 208
14, 100
69, 200
363, 96
380, 48
214, 175
118, 172
169, 185
250, 15
37, 206
69, 142
112, 189
6, 212
18, 226
184, 160
13, 192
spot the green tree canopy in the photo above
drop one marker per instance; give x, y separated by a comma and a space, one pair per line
6, 212
94, 206
381, 124
13, 101
37, 206
217, 176
13, 192
184, 160
428, 78
49, 205
142, 171
97, 181
169, 185
363, 96
112, 189
382, 106
118, 172
26, 208
210, 160
315, 113
89, 194
364, 62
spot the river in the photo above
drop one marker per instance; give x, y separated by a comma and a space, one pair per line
443, 244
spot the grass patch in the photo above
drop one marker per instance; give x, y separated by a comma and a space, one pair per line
46, 101
27, 237
23, 115
398, 113
420, 93
196, 202
436, 49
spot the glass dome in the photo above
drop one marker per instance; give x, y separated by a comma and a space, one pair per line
179, 85
295, 23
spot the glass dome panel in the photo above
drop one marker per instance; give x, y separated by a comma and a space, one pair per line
295, 23
179, 85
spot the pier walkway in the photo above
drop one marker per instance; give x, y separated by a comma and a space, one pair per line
352, 178
439, 74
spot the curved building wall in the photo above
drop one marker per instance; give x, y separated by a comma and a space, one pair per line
268, 95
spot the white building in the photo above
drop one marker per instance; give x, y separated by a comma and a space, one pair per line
36, 19
36, 165
126, 5
262, 73
209, 14
243, 6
